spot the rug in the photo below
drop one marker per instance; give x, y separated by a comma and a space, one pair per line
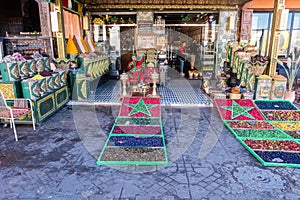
136, 137
269, 130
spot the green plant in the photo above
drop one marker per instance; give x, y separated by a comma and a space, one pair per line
293, 65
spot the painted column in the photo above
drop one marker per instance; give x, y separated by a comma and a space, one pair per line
45, 23
275, 36
227, 32
60, 35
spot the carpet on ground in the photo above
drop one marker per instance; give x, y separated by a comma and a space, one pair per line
269, 130
136, 137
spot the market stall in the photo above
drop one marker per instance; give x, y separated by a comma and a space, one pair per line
33, 79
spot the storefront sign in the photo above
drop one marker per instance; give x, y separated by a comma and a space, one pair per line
145, 27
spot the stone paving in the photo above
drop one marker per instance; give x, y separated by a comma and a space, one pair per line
58, 161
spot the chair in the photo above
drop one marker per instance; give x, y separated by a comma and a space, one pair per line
17, 109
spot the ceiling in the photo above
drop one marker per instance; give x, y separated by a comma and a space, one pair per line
187, 17
94, 5
169, 18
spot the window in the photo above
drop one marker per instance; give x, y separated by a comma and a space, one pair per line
261, 29
295, 33
260, 21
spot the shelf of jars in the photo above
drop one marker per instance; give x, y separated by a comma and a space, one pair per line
26, 45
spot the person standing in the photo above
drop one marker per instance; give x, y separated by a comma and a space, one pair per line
182, 49
183, 56
194, 52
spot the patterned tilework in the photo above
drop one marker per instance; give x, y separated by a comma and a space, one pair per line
177, 92
274, 139
137, 136
108, 92
238, 110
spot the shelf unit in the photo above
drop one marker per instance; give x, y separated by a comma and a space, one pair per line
25, 45
160, 31
206, 34
208, 46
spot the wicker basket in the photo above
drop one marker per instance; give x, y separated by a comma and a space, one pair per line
235, 95
258, 69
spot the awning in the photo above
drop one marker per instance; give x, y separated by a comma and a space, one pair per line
163, 4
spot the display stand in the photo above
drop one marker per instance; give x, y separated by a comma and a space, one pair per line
46, 106
46, 99
11, 89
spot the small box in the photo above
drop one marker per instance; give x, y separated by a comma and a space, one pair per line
23, 69
50, 83
248, 95
10, 71
62, 78
31, 67
11, 90
43, 86
46, 63
235, 95
278, 87
219, 95
262, 87
56, 80
31, 89
40, 64
63, 64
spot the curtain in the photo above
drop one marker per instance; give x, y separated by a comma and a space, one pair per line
72, 24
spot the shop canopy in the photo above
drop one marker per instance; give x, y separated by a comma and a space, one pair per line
162, 4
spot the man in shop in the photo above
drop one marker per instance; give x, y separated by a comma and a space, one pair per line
194, 47
183, 57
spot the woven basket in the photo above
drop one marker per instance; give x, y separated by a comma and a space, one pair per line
257, 69
235, 95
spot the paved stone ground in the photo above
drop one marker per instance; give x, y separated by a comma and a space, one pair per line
58, 161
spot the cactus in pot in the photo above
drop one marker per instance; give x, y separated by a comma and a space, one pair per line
291, 70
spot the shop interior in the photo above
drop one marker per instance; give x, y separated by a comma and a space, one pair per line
141, 60
116, 34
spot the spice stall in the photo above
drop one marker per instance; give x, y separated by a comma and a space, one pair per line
46, 98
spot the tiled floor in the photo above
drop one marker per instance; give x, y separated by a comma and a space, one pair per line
177, 92
58, 161
109, 92
182, 94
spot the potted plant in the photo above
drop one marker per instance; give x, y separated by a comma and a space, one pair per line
291, 70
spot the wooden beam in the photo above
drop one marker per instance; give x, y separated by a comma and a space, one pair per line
60, 35
275, 36
95, 7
